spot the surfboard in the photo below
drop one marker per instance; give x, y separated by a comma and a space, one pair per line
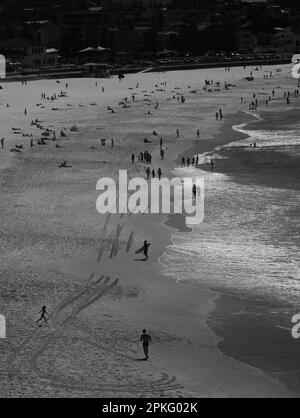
140, 250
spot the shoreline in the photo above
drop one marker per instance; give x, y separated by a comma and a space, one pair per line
216, 298
236, 315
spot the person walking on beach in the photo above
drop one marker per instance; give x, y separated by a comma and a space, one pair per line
2, 143
43, 312
159, 173
132, 158
177, 133
194, 191
146, 339
148, 172
146, 249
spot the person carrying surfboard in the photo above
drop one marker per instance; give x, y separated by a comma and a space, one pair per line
146, 248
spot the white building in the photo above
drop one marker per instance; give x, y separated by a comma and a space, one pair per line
29, 53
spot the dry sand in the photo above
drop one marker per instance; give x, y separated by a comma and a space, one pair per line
56, 250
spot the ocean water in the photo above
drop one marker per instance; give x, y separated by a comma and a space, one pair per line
248, 244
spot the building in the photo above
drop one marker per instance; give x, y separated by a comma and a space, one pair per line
84, 28
44, 31
166, 40
94, 55
92, 69
121, 40
245, 41
144, 40
284, 40
28, 53
264, 42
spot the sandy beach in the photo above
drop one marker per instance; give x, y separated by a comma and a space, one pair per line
56, 250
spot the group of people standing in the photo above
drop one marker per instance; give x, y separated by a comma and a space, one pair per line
143, 157
153, 173
187, 162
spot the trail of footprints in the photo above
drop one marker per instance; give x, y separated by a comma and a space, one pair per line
24, 359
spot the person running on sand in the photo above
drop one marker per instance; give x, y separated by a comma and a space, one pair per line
43, 312
146, 339
2, 143
146, 249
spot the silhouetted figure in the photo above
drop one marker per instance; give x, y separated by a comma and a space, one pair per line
146, 249
43, 312
146, 339
162, 154
148, 171
159, 172
194, 190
